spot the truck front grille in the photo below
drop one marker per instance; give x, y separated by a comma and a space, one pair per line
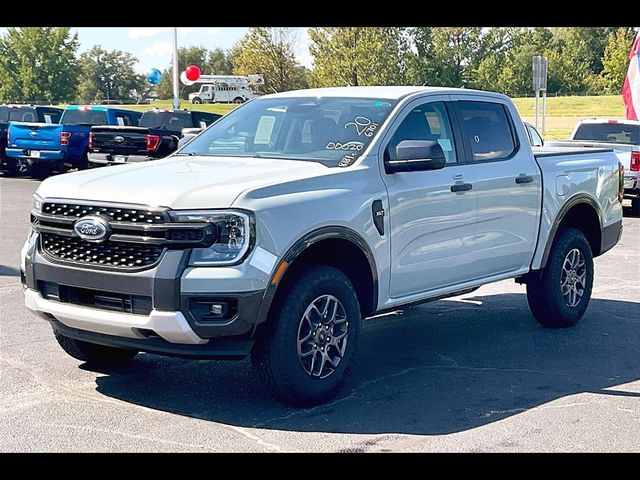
118, 214
136, 239
119, 255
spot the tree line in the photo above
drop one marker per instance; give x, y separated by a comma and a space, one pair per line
43, 63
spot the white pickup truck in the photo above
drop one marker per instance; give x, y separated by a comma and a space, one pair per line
623, 137
279, 228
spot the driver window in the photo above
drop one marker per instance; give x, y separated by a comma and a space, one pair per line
429, 121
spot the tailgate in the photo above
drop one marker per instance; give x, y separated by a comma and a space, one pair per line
35, 136
119, 140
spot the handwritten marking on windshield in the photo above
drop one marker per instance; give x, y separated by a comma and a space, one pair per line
363, 126
357, 146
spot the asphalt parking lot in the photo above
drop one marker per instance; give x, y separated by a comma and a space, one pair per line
471, 373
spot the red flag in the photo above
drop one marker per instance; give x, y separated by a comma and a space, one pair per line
631, 86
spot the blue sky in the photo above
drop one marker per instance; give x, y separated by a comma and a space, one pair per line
152, 45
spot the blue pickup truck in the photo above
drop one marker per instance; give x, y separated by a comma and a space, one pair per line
22, 113
43, 147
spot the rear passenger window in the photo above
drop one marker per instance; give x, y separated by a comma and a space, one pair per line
488, 130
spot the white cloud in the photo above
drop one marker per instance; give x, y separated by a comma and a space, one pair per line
213, 31
159, 49
186, 30
145, 32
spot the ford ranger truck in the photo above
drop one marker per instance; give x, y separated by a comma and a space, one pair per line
48, 147
22, 113
276, 231
623, 136
156, 136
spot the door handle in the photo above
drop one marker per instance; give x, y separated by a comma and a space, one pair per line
461, 187
524, 179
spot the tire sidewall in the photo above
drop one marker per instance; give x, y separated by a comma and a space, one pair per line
317, 282
567, 241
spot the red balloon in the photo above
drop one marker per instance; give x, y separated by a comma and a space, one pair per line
192, 72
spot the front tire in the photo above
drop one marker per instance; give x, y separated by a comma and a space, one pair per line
635, 207
311, 348
560, 294
196, 101
94, 353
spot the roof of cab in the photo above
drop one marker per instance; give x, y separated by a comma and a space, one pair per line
386, 92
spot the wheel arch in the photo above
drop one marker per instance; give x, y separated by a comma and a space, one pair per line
582, 212
336, 246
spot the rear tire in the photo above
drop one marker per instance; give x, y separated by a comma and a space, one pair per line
94, 353
83, 163
311, 347
635, 207
17, 167
40, 171
560, 294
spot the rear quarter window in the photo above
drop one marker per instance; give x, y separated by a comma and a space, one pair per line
488, 130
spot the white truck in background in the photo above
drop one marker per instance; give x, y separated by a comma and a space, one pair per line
225, 88
623, 137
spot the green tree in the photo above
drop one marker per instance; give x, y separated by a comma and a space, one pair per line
270, 52
510, 70
38, 64
109, 75
186, 56
219, 62
615, 60
357, 56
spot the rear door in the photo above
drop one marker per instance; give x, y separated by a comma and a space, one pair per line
432, 213
507, 183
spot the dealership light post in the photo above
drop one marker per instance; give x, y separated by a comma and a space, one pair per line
176, 96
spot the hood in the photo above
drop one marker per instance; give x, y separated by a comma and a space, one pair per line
178, 182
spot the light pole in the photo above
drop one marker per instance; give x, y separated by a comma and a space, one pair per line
176, 95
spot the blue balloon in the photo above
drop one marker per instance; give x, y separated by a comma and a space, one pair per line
154, 76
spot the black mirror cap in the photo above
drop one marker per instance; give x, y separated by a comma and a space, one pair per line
416, 155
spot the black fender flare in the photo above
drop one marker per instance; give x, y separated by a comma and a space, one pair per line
569, 204
303, 243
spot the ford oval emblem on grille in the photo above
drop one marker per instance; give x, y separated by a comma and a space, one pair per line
118, 138
34, 133
92, 228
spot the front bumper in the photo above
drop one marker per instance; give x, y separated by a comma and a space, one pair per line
108, 159
152, 310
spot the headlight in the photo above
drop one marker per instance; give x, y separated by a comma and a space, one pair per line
37, 203
234, 235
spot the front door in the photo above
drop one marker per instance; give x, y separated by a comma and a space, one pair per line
432, 213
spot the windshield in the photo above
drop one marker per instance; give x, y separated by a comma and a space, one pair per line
609, 132
333, 131
167, 120
84, 117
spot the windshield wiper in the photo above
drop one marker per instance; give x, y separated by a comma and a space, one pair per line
189, 154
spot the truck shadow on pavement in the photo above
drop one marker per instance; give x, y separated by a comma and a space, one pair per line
443, 367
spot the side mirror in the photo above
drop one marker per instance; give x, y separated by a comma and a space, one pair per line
415, 156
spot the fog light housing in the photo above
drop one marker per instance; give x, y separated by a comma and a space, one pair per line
206, 310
